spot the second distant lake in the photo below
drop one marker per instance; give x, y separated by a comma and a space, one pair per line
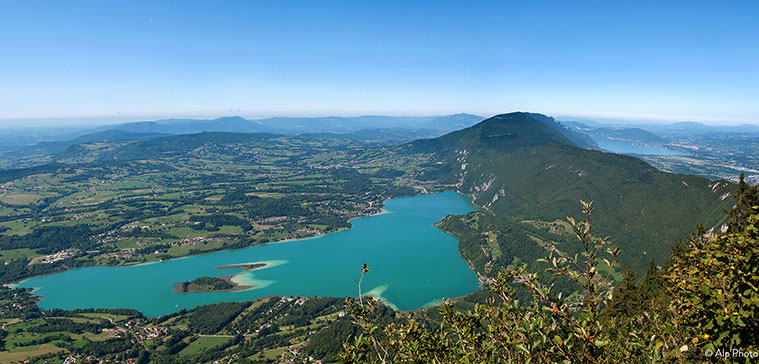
413, 264
621, 147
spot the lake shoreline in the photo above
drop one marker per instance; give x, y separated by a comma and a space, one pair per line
191, 255
409, 212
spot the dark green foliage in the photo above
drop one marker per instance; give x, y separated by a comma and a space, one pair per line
208, 284
508, 132
217, 220
128, 312
627, 297
748, 198
54, 325
237, 196
103, 348
270, 207
18, 269
323, 344
652, 284
211, 318
63, 337
50, 239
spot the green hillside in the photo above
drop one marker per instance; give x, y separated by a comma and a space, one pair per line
521, 167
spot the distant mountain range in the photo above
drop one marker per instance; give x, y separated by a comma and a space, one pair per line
373, 130
632, 131
628, 134
299, 125
109, 135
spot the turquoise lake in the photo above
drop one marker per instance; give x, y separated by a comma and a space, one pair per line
620, 147
413, 264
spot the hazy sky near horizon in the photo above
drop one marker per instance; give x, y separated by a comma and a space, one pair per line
662, 60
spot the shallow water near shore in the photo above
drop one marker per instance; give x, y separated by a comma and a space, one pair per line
412, 265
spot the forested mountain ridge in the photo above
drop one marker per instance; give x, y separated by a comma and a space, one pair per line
505, 132
297, 125
628, 134
519, 167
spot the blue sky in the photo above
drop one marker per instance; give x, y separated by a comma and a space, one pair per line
668, 60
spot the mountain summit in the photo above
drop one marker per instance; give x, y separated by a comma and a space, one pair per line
520, 129
507, 132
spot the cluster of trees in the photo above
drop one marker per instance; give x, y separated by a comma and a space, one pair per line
59, 339
175, 342
127, 312
323, 344
213, 221
237, 196
705, 299
208, 284
66, 325
100, 349
212, 318
271, 207
19, 268
50, 239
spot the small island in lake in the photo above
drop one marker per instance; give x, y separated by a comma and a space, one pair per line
209, 284
217, 284
245, 266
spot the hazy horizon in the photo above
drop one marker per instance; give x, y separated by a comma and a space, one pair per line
94, 121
